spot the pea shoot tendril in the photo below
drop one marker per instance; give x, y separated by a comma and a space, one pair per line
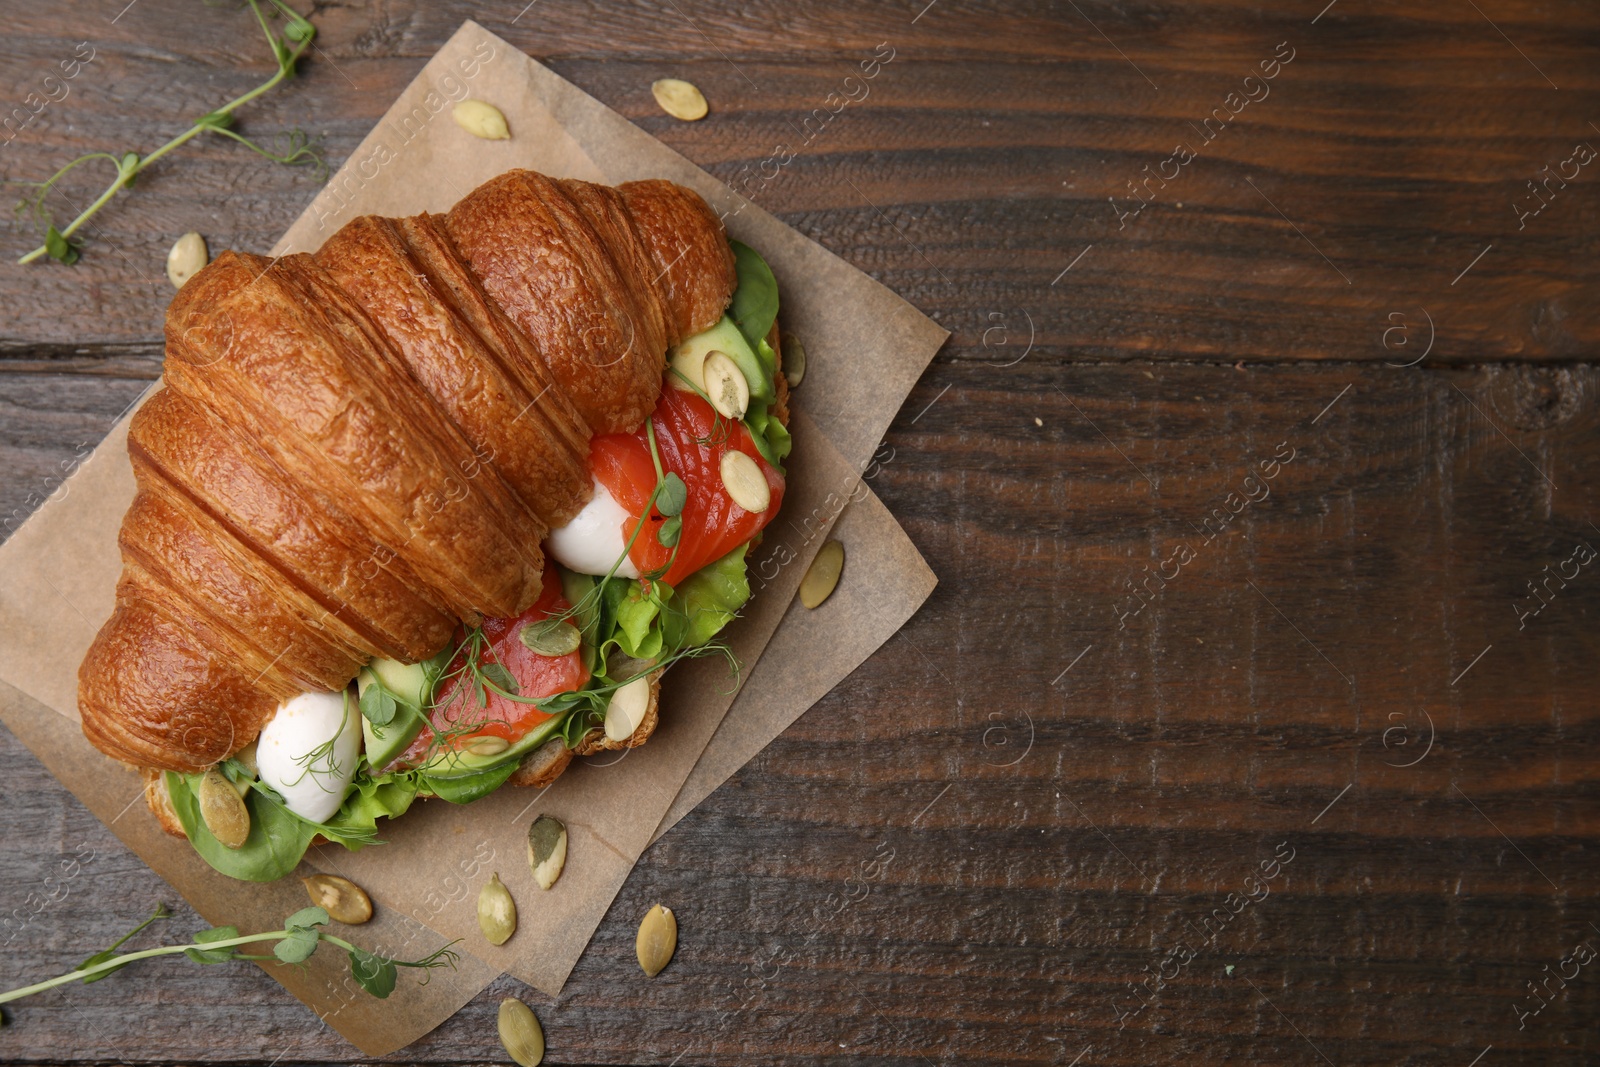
293, 148
299, 938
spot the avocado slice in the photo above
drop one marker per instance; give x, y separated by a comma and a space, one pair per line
689, 358
412, 684
452, 763
408, 681
384, 743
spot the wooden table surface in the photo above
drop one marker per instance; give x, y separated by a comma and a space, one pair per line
1254, 718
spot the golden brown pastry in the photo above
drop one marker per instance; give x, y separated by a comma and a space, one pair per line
359, 448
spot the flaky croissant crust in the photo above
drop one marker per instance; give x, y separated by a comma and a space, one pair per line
358, 448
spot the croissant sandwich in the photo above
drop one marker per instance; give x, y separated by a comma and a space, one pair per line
431, 509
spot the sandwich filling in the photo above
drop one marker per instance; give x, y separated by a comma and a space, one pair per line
646, 574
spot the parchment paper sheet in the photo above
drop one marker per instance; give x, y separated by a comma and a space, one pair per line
866, 349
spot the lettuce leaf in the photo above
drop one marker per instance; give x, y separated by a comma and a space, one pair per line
769, 359
641, 621
709, 598
755, 300
386, 796
770, 436
754, 309
277, 839
778, 439
654, 624
465, 788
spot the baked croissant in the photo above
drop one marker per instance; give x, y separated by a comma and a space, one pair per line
359, 448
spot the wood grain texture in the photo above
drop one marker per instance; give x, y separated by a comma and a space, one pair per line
1055, 776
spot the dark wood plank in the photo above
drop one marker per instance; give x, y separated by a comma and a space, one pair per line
1394, 144
975, 846
52, 415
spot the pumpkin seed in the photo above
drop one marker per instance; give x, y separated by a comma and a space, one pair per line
744, 482
547, 849
343, 900
627, 708
223, 810
187, 256
622, 666
658, 939
726, 385
497, 912
794, 361
679, 99
488, 745
520, 1033
551, 637
822, 575
481, 120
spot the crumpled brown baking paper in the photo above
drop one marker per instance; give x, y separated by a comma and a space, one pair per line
866, 349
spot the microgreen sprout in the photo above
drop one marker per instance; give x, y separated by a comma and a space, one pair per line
668, 499
323, 760
299, 938
295, 147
